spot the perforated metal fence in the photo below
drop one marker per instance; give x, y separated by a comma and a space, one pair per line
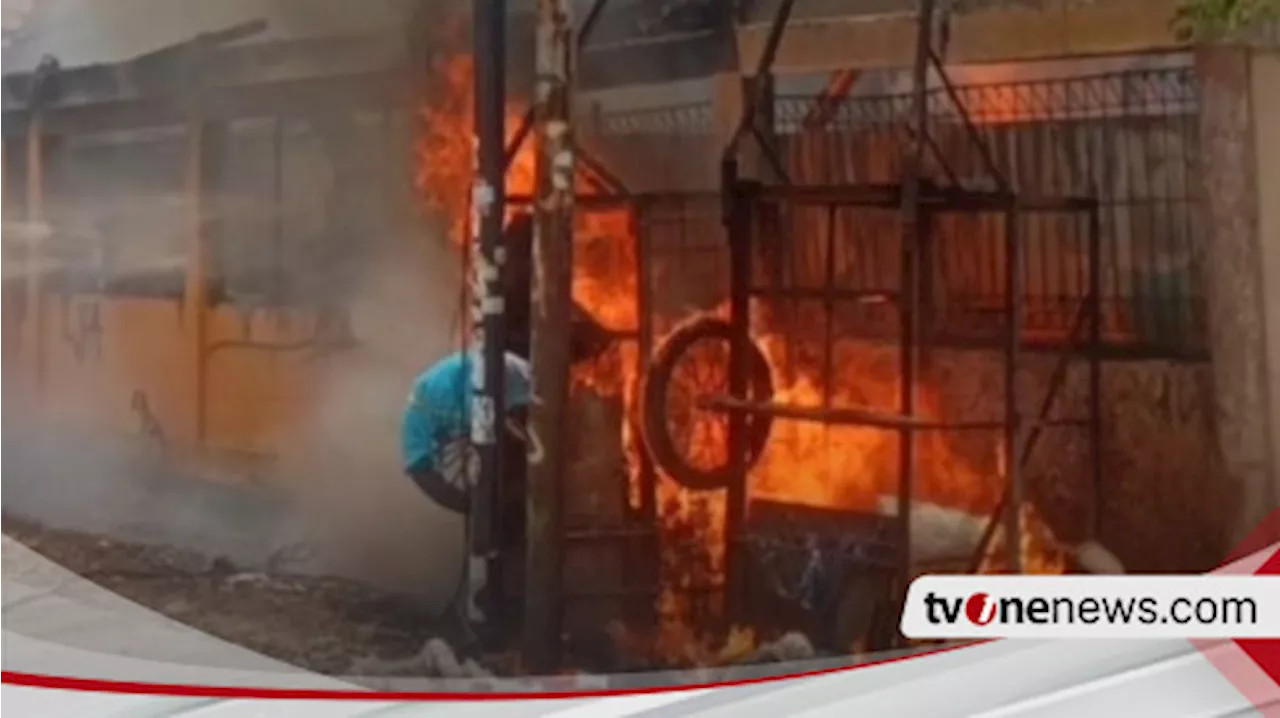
1127, 139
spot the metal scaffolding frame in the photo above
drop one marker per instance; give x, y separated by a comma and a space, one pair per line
917, 199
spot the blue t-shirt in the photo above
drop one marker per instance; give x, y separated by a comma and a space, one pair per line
439, 410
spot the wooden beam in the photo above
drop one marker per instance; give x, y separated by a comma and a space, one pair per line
1056, 29
254, 64
551, 309
292, 98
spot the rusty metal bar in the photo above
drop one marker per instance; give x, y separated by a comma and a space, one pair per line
885, 196
1095, 368
649, 545
605, 533
1057, 381
914, 226
612, 184
518, 138
829, 312
771, 156
637, 592
589, 22
591, 201
1013, 414
738, 232
862, 417
863, 296
762, 68
645, 341
970, 129
526, 121
552, 305
935, 198
941, 159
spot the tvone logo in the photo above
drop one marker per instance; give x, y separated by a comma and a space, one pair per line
980, 609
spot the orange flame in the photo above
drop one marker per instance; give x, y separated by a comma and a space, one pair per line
837, 466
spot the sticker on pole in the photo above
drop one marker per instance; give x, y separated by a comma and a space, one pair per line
483, 418
483, 197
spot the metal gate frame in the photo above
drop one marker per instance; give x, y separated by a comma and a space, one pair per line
743, 196
918, 200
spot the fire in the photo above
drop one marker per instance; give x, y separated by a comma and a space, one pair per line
850, 467
604, 254
841, 466
445, 147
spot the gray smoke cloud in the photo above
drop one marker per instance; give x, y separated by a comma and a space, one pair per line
84, 32
336, 489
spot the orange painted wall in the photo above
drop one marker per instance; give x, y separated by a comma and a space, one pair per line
254, 394
143, 350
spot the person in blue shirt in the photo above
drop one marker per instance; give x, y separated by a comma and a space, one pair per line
437, 425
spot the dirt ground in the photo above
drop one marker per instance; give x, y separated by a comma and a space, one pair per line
321, 624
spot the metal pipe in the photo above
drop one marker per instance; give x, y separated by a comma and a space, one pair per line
526, 121
612, 184
975, 138
1095, 368
487, 311
644, 319
552, 304
1057, 381
1013, 415
738, 231
853, 416
589, 22
913, 230
763, 68
886, 196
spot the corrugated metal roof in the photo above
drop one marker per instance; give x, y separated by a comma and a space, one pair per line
88, 32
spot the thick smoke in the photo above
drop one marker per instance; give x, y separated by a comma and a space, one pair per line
84, 32
336, 501
366, 518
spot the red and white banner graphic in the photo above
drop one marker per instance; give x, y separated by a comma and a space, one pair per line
1093, 607
72, 648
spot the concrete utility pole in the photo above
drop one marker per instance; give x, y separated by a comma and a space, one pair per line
551, 309
487, 311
